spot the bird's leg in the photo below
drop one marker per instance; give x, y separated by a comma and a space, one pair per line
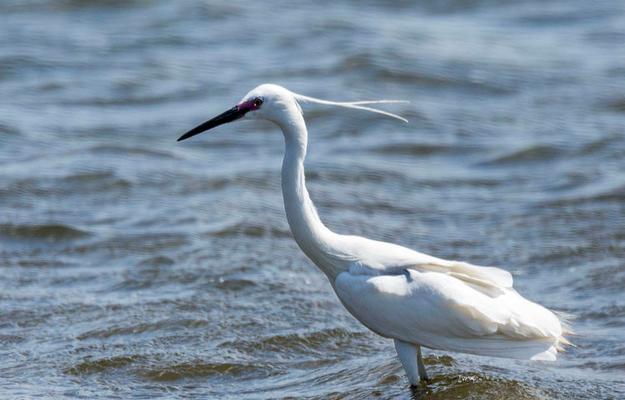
422, 373
407, 354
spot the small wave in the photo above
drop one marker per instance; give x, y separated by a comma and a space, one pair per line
215, 11
137, 279
80, 4
101, 181
532, 154
200, 369
478, 386
604, 36
422, 79
601, 144
89, 176
558, 255
311, 342
48, 232
598, 279
158, 261
354, 175
135, 100
551, 18
416, 149
43, 263
101, 365
6, 129
11, 65
234, 285
369, 63
117, 150
606, 196
609, 312
249, 229
143, 327
10, 339
614, 105
477, 182
144, 242
70, 185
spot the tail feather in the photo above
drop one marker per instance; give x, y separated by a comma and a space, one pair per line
565, 321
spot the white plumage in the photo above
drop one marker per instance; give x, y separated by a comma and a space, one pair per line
413, 298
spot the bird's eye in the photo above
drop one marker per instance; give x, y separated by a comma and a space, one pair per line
258, 102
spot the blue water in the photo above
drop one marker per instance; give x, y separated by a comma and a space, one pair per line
132, 266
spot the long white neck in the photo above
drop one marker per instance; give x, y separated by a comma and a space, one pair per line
312, 236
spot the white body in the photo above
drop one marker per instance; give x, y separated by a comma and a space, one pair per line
397, 292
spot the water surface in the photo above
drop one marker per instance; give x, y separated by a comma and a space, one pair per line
133, 266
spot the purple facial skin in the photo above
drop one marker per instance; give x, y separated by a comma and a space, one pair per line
249, 105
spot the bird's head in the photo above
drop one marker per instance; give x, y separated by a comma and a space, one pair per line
277, 104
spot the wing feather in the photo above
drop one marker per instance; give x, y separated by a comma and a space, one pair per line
483, 277
375, 258
440, 310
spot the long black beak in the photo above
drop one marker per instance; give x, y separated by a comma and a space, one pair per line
232, 114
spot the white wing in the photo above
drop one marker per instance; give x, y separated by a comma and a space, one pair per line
381, 258
449, 310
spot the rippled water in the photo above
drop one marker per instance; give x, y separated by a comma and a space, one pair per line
132, 266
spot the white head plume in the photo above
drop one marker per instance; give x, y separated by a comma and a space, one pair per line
358, 105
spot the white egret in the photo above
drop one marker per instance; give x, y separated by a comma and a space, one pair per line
413, 298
